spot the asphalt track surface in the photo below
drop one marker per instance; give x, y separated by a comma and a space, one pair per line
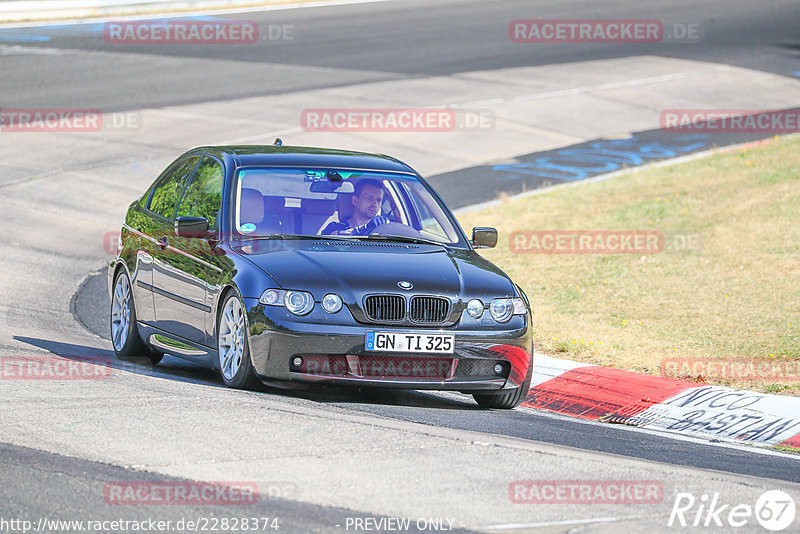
347, 45
369, 42
46, 485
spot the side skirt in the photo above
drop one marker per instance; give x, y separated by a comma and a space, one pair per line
177, 346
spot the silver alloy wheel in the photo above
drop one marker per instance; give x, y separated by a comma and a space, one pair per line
120, 312
231, 338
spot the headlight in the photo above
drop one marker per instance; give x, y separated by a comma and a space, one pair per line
332, 303
501, 310
475, 308
298, 302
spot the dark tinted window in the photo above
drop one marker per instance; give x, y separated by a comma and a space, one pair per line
203, 196
168, 191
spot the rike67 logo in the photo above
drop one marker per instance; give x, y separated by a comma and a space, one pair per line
774, 510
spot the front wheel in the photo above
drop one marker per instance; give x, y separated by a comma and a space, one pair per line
235, 366
128, 346
507, 399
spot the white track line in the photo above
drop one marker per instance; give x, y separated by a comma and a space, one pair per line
516, 526
178, 13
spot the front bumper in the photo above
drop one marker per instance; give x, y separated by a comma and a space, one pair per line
336, 353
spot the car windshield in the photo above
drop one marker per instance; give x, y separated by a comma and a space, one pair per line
339, 204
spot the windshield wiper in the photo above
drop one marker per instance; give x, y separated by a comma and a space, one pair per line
297, 236
381, 237
405, 239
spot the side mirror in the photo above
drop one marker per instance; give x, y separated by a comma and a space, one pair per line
484, 237
191, 227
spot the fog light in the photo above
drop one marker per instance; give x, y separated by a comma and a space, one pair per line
297, 361
498, 369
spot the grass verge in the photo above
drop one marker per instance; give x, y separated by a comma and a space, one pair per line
719, 304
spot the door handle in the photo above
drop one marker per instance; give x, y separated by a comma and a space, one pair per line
163, 243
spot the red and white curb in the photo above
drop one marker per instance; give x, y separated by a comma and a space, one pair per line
661, 403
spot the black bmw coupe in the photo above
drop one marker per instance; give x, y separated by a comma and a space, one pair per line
281, 264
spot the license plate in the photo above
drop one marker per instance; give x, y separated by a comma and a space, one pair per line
405, 342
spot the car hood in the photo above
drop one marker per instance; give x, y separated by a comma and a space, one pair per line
355, 268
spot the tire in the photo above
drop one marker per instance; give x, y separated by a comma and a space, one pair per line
507, 399
128, 345
233, 349
155, 356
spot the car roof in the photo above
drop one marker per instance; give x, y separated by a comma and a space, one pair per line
295, 156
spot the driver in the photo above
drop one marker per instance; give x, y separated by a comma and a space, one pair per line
367, 202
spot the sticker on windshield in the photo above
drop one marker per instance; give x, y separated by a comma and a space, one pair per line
248, 228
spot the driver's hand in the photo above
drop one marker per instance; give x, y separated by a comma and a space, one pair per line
379, 220
375, 222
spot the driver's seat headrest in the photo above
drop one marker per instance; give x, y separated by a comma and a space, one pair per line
344, 206
252, 206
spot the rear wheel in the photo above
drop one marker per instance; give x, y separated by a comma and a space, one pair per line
128, 346
235, 366
507, 399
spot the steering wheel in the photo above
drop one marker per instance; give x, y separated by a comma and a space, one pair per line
395, 228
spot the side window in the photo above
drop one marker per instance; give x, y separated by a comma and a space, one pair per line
203, 197
167, 193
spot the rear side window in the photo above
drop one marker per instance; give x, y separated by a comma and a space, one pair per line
167, 193
203, 197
